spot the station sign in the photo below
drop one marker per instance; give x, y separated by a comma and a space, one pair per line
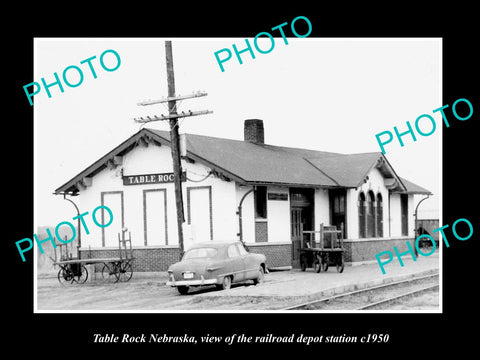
151, 178
278, 196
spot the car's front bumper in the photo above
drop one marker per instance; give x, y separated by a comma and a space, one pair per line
195, 282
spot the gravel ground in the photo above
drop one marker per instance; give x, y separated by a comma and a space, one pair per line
426, 301
148, 292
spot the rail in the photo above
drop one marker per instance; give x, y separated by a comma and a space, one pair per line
329, 300
398, 297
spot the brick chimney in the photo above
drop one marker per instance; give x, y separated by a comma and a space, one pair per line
253, 131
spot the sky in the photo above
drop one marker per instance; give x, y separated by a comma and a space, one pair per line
327, 94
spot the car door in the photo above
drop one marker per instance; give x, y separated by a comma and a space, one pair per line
236, 261
249, 262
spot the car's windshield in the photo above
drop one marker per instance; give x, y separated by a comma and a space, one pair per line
200, 253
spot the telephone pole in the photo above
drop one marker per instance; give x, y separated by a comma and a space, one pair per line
172, 118
175, 145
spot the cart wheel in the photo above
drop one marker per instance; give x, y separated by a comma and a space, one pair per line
325, 262
303, 262
83, 276
340, 265
325, 266
65, 276
317, 264
110, 273
126, 272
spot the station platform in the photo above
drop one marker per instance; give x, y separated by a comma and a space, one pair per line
308, 283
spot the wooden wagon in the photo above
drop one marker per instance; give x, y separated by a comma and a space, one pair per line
73, 270
321, 249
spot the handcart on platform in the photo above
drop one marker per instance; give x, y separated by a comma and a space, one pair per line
73, 270
321, 249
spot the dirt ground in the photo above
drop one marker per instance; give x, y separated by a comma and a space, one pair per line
145, 293
148, 292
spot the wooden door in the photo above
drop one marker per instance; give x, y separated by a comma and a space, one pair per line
338, 206
296, 235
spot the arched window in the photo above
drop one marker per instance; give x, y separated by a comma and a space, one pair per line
361, 215
370, 214
379, 218
404, 213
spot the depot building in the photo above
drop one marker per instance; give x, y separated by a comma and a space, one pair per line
262, 194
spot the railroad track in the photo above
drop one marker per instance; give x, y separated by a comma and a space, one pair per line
373, 297
394, 299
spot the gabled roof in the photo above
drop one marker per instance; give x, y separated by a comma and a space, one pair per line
414, 188
347, 170
256, 163
250, 163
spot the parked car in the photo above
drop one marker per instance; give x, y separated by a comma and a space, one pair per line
219, 263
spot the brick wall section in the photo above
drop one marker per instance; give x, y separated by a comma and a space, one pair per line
365, 250
430, 225
253, 131
148, 259
261, 231
347, 253
278, 255
159, 259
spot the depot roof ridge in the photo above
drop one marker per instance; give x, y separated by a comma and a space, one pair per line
251, 163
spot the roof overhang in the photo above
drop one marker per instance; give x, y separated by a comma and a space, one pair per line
111, 160
146, 136
392, 181
414, 189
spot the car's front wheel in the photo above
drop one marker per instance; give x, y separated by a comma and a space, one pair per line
182, 289
260, 277
226, 283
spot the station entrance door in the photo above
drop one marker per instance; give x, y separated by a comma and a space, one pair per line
301, 218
